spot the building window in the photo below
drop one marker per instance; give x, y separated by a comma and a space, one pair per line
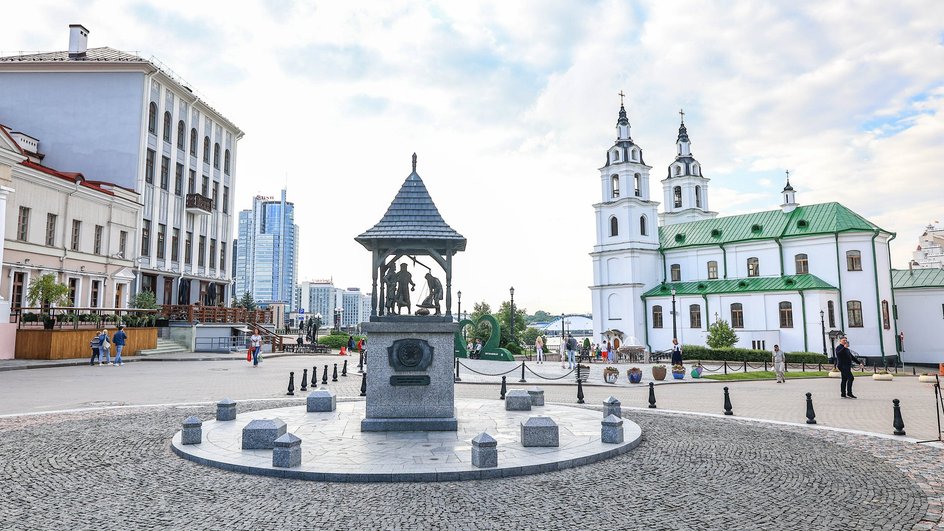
192, 182
753, 267
22, 224
675, 270
216, 156
94, 296
614, 226
161, 236
188, 249
205, 187
657, 316
206, 150
165, 172
855, 314
19, 283
223, 256
216, 193
97, 246
181, 135
152, 118
201, 252
737, 315
193, 142
831, 311
616, 156
225, 199
146, 238
694, 316
637, 189
51, 220
174, 244
212, 253
149, 167
642, 225
179, 179
886, 319
122, 243
167, 126
712, 270
76, 232
73, 291
698, 196
614, 186
677, 196
853, 261
802, 264
786, 314
226, 162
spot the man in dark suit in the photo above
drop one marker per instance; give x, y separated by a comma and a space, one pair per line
844, 361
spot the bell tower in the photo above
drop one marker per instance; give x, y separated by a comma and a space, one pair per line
685, 189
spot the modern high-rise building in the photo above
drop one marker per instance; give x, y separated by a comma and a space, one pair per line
267, 251
130, 121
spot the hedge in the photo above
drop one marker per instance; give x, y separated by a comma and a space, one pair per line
336, 340
699, 352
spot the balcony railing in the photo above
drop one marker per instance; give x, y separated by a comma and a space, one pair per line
214, 314
76, 318
199, 204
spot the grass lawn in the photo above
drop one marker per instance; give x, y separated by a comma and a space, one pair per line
770, 375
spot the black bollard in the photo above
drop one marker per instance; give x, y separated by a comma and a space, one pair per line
314, 377
304, 386
504, 389
457, 371
324, 377
334, 375
344, 369
898, 423
652, 395
727, 403
291, 384
810, 414
522, 380
360, 361
364, 384
579, 392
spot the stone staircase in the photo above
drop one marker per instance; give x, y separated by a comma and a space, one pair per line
164, 346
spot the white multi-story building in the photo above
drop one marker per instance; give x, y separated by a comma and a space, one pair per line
130, 121
930, 251
321, 297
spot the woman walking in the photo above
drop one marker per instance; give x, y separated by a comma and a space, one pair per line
255, 341
104, 348
539, 348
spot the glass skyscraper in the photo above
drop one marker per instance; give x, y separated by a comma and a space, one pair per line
267, 251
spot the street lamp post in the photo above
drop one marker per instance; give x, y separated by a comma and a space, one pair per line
512, 320
822, 324
674, 328
317, 324
459, 313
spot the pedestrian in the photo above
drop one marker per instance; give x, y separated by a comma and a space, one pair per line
350, 344
563, 352
844, 360
94, 344
571, 351
469, 348
780, 362
676, 352
539, 349
119, 339
255, 342
104, 348
478, 349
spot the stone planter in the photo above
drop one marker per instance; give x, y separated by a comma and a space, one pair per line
834, 374
658, 373
634, 377
678, 375
927, 378
610, 375
886, 377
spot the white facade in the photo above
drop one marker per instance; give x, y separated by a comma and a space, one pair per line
322, 297
930, 251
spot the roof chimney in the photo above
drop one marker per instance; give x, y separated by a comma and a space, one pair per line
78, 40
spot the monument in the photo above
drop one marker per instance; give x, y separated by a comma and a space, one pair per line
410, 358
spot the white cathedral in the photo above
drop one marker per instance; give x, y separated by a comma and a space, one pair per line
777, 277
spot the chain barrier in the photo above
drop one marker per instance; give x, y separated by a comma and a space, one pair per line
547, 378
488, 374
705, 367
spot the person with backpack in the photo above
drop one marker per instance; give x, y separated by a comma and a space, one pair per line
119, 338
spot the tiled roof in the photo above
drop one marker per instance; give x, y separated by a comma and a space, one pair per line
740, 285
103, 54
824, 218
917, 278
412, 216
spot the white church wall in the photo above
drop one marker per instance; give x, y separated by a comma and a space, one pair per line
821, 256
921, 319
860, 286
766, 252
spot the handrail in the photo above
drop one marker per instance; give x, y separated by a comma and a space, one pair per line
86, 316
214, 314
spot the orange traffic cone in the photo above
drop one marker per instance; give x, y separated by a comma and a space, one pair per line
343, 351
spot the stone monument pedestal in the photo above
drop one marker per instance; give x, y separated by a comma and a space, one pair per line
410, 378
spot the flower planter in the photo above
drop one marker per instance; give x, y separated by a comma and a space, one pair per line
927, 378
658, 373
635, 376
610, 375
696, 372
678, 375
883, 377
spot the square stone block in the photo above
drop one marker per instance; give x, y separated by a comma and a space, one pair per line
612, 406
260, 434
192, 433
287, 452
517, 400
322, 400
612, 430
226, 410
540, 431
484, 451
537, 396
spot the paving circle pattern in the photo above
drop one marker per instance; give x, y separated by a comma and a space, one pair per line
334, 448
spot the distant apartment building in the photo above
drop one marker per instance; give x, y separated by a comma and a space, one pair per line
130, 121
930, 251
267, 251
315, 297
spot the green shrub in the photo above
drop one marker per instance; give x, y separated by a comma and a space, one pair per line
336, 340
699, 352
514, 348
30, 317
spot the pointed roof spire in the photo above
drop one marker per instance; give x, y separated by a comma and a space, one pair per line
683, 132
623, 120
414, 162
788, 187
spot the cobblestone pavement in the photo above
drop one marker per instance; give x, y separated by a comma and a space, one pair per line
113, 469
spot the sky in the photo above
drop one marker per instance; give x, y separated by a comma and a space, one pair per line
511, 106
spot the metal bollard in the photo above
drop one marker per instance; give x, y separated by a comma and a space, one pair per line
726, 367
291, 384
334, 375
898, 423
652, 395
360, 361
314, 376
744, 369
457, 371
324, 377
504, 388
727, 403
304, 386
344, 368
522, 380
579, 392
810, 414
364, 384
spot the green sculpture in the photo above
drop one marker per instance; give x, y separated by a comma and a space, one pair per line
490, 350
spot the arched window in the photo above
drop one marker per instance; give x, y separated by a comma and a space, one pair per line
712, 270
694, 316
616, 156
802, 264
753, 267
657, 316
698, 197
695, 169
636, 184
678, 170
676, 271
635, 154
853, 260
855, 314
167, 119
226, 162
206, 149
216, 156
152, 118
677, 196
831, 311
614, 186
786, 314
642, 225
193, 142
886, 318
737, 315
614, 226
181, 136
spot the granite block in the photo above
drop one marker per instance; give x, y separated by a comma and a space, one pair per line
287, 452
322, 400
537, 396
612, 430
192, 433
540, 431
484, 451
611, 406
226, 410
260, 434
517, 400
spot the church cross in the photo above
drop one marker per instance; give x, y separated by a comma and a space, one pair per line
682, 114
621, 97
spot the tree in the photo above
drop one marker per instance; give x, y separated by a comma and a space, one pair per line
529, 335
483, 330
144, 300
504, 316
540, 316
720, 335
45, 291
246, 302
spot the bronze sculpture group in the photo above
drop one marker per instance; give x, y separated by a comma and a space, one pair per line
400, 283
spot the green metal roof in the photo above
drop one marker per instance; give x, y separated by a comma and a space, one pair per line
917, 278
824, 218
740, 285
